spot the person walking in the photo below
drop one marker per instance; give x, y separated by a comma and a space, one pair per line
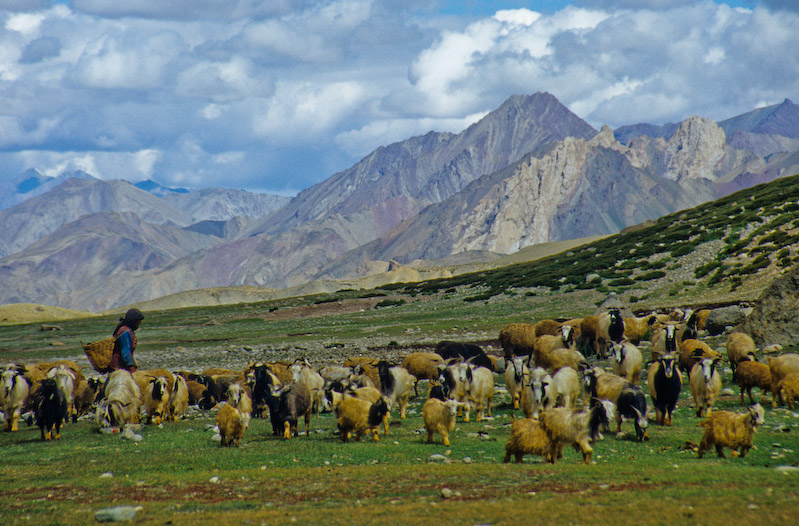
125, 344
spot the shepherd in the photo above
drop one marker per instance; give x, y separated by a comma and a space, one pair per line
125, 344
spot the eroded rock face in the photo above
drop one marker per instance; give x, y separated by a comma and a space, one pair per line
774, 317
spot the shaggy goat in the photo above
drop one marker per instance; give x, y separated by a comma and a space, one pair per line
627, 359
156, 400
705, 383
527, 437
464, 351
565, 426
423, 366
50, 409
665, 382
636, 328
237, 397
562, 389
547, 327
439, 417
693, 351
121, 401
66, 379
358, 416
732, 430
665, 341
533, 393
631, 405
789, 388
515, 374
610, 328
303, 373
781, 366
15, 391
517, 339
293, 402
178, 398
586, 341
739, 347
753, 374
395, 384
232, 425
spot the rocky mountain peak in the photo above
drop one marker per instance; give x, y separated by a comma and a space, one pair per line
694, 149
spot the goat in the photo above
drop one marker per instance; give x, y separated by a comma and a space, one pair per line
178, 398
693, 351
527, 437
665, 340
627, 359
156, 400
789, 388
636, 328
302, 372
464, 351
515, 374
665, 382
422, 366
50, 409
479, 383
732, 430
705, 383
780, 367
566, 426
232, 425
237, 397
286, 406
120, 402
586, 342
15, 391
753, 374
562, 389
610, 328
85, 397
533, 393
547, 327
265, 381
739, 347
66, 380
546, 344
439, 417
631, 405
395, 384
355, 415
517, 339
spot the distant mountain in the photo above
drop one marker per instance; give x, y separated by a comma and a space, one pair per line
781, 119
529, 172
159, 190
625, 134
32, 183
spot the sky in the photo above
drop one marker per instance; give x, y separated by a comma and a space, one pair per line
277, 95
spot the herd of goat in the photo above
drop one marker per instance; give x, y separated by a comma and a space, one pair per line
550, 371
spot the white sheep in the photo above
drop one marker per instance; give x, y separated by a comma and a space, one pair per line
565, 426
705, 382
627, 360
14, 392
439, 417
732, 430
516, 372
121, 401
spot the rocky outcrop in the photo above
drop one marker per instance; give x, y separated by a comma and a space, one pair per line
773, 318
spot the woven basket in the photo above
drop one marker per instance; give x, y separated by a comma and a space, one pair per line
99, 354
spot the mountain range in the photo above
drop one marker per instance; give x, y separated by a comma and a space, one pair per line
529, 172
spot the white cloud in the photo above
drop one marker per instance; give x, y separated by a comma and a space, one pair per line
25, 23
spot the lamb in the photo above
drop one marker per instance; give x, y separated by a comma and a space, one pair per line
232, 425
631, 405
789, 388
121, 401
665, 382
355, 415
479, 383
439, 417
50, 409
15, 392
423, 366
515, 374
692, 351
627, 361
705, 382
517, 339
781, 366
303, 373
732, 430
178, 399
527, 437
395, 384
739, 347
610, 328
156, 400
566, 426
533, 393
753, 374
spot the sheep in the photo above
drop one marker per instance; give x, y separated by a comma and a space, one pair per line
631, 404
561, 389
423, 366
121, 400
627, 359
156, 400
781, 366
395, 384
733, 430
610, 328
533, 393
753, 374
50, 409
665, 382
480, 390
705, 382
789, 389
302, 372
439, 417
517, 339
178, 399
15, 392
586, 342
355, 415
566, 426
527, 437
636, 328
232, 425
692, 351
515, 374
739, 347
237, 397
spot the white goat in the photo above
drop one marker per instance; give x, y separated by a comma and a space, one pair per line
121, 401
705, 383
14, 393
627, 360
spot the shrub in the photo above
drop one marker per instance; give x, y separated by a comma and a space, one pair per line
682, 250
390, 303
647, 276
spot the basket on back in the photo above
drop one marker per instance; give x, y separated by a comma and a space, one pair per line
99, 354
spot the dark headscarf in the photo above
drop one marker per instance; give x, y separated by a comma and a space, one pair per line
130, 319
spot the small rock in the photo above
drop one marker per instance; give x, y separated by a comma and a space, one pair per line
467, 460
107, 475
117, 514
438, 458
787, 469
216, 438
727, 392
446, 493
214, 480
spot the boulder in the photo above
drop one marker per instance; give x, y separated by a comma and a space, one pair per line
773, 319
723, 317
